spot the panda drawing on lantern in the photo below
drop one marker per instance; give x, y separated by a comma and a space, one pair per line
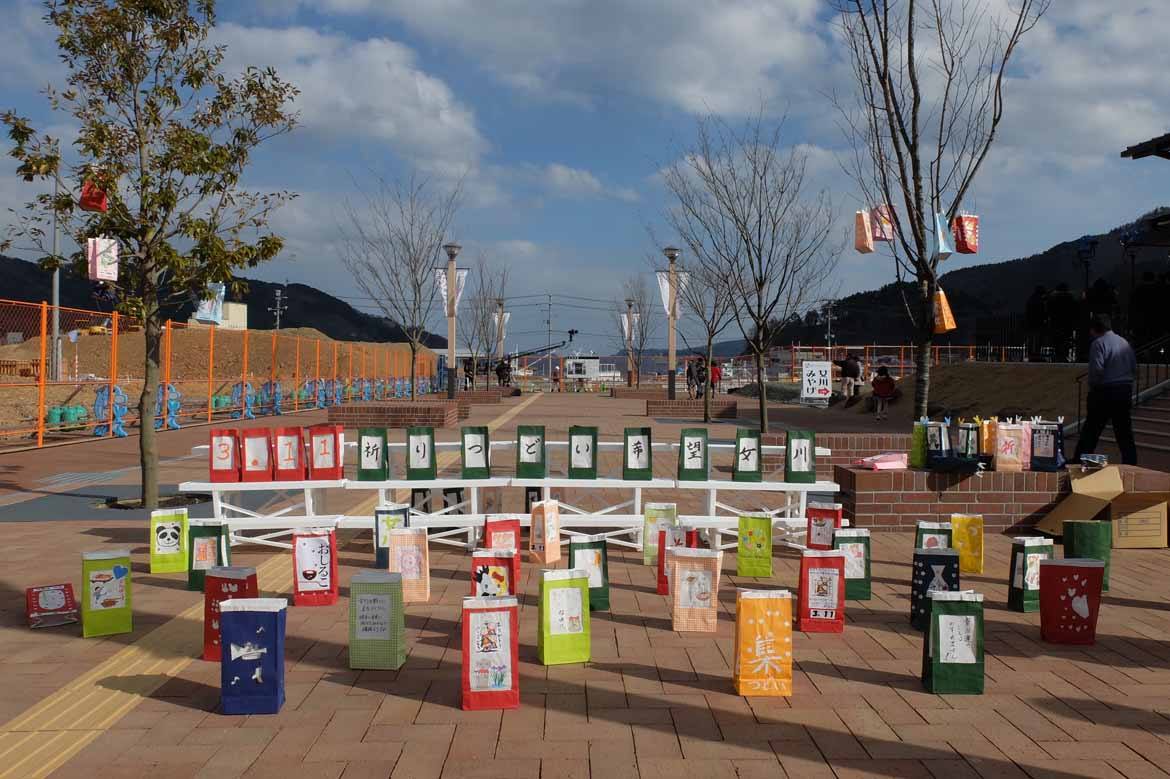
167, 537
491, 580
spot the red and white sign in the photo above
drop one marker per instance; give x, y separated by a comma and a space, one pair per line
220, 584
822, 591
326, 447
823, 520
257, 455
224, 455
288, 454
50, 605
491, 656
314, 567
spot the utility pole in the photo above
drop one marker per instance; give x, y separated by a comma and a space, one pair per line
452, 250
499, 328
55, 367
829, 335
671, 318
548, 322
279, 307
629, 342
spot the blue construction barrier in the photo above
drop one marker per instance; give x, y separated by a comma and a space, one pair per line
101, 410
170, 419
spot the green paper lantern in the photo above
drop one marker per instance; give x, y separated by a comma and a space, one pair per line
952, 650
638, 455
373, 455
582, 452
476, 453
656, 517
693, 463
932, 535
420, 453
800, 457
754, 555
1024, 572
564, 635
106, 603
377, 621
748, 465
1089, 539
918, 446
208, 546
854, 542
589, 554
531, 452
168, 541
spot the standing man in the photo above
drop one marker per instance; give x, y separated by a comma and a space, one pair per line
1112, 366
850, 374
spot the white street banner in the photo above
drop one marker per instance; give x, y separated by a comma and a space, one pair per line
460, 282
681, 278
501, 332
626, 329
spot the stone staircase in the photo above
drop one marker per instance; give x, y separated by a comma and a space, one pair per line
1151, 433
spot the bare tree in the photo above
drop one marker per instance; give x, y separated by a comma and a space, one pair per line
644, 326
479, 332
930, 80
741, 206
392, 241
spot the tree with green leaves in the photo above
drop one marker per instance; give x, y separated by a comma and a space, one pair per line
168, 137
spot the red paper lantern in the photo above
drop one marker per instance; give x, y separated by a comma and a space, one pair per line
314, 567
822, 591
326, 452
1070, 598
491, 654
223, 583
668, 539
224, 455
966, 231
256, 452
50, 605
495, 573
288, 454
93, 198
823, 520
692, 539
501, 534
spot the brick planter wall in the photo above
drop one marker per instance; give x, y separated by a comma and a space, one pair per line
845, 448
397, 414
638, 393
691, 409
481, 396
896, 500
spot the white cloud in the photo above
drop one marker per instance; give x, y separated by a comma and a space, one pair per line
571, 182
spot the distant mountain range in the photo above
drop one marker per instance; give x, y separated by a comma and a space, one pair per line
306, 306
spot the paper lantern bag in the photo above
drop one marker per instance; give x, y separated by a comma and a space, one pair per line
288, 454
420, 453
256, 459
252, 669
1089, 539
387, 518
933, 535
944, 320
208, 546
223, 456
326, 452
501, 533
223, 583
1048, 447
695, 589
582, 452
168, 541
564, 635
934, 570
747, 457
967, 539
862, 233
800, 457
822, 591
667, 541
495, 573
952, 650
656, 517
854, 544
314, 567
588, 553
410, 557
1070, 598
373, 454
637, 454
763, 643
531, 452
966, 231
823, 519
377, 621
693, 464
1024, 573
754, 552
918, 445
106, 605
50, 605
1009, 447
544, 532
491, 668
476, 453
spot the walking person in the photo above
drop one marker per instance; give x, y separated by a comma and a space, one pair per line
884, 390
716, 377
1112, 366
850, 375
691, 379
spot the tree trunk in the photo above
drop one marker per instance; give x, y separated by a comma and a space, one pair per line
147, 447
763, 391
707, 389
413, 361
922, 354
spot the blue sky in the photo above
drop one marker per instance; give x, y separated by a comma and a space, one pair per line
559, 113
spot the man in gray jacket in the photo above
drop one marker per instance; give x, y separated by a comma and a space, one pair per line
1112, 366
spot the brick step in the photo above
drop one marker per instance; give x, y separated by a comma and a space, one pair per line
1157, 447
1145, 431
1148, 420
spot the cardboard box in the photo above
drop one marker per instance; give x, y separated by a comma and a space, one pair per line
1139, 518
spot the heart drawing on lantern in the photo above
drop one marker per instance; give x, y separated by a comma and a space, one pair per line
1080, 605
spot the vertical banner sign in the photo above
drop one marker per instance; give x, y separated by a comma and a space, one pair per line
692, 454
224, 455
1024, 573
588, 553
637, 455
494, 573
288, 454
822, 591
420, 453
763, 643
168, 541
257, 458
314, 567
667, 541
816, 382
695, 589
106, 603
967, 539
208, 546
747, 465
823, 521
754, 556
932, 535
410, 557
934, 570
544, 532
952, 650
656, 517
1087, 538
252, 668
1070, 597
531, 452
854, 544
222, 584
800, 457
582, 452
491, 649
50, 605
377, 621
387, 518
476, 453
564, 635
373, 454
326, 448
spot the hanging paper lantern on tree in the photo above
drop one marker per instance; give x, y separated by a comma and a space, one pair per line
944, 320
863, 233
93, 197
101, 256
881, 220
965, 228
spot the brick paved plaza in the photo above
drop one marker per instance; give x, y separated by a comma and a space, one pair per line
651, 703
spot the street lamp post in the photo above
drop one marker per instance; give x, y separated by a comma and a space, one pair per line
499, 329
629, 342
672, 319
452, 250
